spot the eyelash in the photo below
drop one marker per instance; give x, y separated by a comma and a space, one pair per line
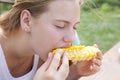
61, 27
74, 28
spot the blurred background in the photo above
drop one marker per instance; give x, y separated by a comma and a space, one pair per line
100, 22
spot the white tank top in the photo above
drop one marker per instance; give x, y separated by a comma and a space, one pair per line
5, 74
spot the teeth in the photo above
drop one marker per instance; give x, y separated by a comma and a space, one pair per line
80, 53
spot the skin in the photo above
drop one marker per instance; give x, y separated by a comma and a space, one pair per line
53, 29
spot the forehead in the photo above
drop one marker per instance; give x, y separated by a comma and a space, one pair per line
66, 1
64, 8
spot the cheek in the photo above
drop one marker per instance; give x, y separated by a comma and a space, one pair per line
51, 37
43, 40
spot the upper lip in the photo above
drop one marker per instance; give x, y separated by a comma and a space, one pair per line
65, 46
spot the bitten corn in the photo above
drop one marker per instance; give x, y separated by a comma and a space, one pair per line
80, 53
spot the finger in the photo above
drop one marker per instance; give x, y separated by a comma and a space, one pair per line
99, 55
65, 63
94, 68
96, 61
64, 68
56, 60
45, 66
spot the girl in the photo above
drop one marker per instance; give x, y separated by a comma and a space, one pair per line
30, 31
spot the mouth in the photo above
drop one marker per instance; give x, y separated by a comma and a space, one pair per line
60, 48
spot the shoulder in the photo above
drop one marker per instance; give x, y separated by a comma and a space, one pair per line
2, 35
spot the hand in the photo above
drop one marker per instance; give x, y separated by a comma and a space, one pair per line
86, 68
54, 68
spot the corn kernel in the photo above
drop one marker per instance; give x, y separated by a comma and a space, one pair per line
80, 53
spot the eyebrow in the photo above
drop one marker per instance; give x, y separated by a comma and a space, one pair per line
67, 21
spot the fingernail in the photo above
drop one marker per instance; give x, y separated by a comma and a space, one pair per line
66, 53
49, 55
94, 65
91, 67
94, 59
59, 51
75, 63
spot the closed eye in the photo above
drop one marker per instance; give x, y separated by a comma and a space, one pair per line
58, 26
76, 26
61, 27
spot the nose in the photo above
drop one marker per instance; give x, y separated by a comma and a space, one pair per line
69, 37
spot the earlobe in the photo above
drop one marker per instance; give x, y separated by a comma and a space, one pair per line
26, 29
25, 18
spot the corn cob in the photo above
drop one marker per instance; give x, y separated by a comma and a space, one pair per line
80, 53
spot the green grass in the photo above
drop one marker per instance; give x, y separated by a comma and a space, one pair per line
4, 7
99, 28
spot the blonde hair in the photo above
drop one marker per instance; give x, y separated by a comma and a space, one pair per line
11, 21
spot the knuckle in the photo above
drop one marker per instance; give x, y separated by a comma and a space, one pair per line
56, 61
63, 75
66, 65
50, 76
57, 58
64, 70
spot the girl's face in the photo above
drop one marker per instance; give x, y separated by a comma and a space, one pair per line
56, 27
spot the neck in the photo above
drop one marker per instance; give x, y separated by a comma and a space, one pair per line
19, 56
19, 67
17, 44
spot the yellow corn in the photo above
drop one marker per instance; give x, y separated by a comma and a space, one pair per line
80, 53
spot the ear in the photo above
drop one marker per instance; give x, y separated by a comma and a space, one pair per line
25, 19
